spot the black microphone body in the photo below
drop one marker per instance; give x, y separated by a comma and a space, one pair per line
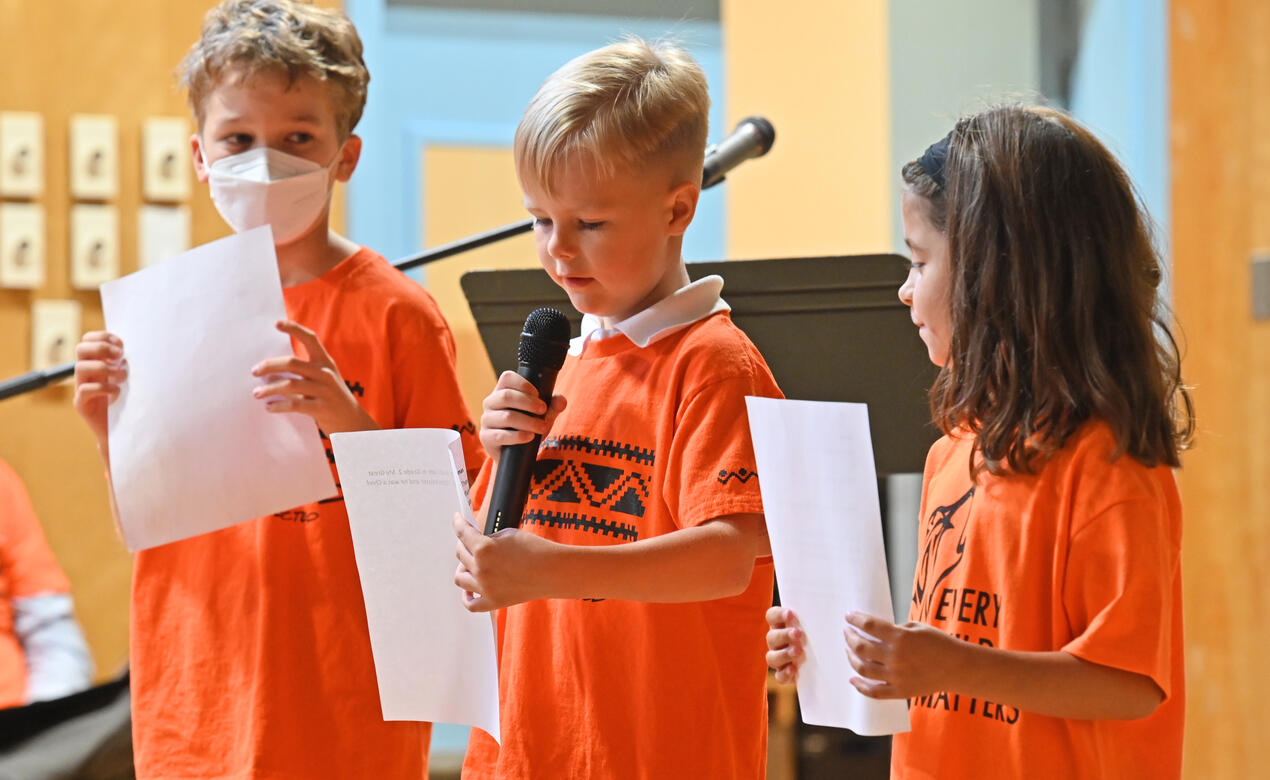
753, 137
539, 356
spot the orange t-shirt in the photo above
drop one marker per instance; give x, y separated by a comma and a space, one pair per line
1082, 557
653, 440
250, 651
27, 568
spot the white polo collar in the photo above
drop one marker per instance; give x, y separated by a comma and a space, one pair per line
690, 303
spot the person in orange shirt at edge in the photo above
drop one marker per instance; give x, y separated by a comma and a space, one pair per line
1045, 630
631, 600
250, 651
42, 650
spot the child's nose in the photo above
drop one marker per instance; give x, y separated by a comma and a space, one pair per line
906, 290
561, 245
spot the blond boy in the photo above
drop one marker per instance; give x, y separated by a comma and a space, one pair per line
633, 595
250, 651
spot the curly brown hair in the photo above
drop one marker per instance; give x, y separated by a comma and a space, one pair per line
1055, 314
294, 38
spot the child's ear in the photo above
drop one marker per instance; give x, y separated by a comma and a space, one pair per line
196, 154
350, 153
683, 206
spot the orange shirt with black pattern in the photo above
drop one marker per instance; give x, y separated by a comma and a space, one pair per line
251, 656
653, 439
1082, 557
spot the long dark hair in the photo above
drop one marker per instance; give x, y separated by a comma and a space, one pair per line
1055, 317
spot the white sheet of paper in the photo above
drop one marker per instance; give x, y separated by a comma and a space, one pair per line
820, 497
191, 451
434, 660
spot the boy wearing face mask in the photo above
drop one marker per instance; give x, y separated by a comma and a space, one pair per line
250, 651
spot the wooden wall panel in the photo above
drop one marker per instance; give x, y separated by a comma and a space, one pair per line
1220, 96
58, 58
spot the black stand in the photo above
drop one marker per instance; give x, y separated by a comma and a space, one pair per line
831, 329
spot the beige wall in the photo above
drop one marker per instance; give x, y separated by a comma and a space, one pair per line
468, 190
63, 57
818, 70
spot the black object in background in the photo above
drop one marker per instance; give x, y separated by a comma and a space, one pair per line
830, 328
753, 137
544, 341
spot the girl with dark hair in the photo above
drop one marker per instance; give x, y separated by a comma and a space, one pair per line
1045, 629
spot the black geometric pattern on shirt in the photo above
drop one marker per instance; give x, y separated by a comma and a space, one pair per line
297, 516
742, 475
356, 388
580, 522
573, 482
614, 449
467, 427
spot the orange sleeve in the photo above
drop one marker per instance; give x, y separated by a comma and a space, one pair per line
710, 472
1123, 576
25, 556
426, 388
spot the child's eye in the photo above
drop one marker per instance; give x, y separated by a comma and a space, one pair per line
584, 225
299, 138
541, 222
238, 139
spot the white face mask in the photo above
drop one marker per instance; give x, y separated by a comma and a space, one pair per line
264, 186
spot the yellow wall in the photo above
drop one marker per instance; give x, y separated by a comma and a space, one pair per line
63, 57
818, 71
466, 191
1220, 104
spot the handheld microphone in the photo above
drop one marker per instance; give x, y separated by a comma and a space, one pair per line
753, 137
544, 341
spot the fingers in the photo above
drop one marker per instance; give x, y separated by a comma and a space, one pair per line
290, 364
99, 345
504, 400
779, 659
463, 547
494, 439
296, 388
781, 617
775, 617
510, 380
100, 371
875, 689
473, 601
558, 404
308, 339
873, 626
863, 661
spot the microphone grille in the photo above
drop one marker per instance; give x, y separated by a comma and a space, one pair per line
545, 338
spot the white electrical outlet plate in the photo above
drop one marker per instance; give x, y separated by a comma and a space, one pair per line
94, 245
21, 245
94, 157
165, 166
162, 232
54, 333
21, 154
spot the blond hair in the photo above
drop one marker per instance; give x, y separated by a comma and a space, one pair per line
286, 36
626, 105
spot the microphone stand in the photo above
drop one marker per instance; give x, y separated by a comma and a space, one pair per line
34, 380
